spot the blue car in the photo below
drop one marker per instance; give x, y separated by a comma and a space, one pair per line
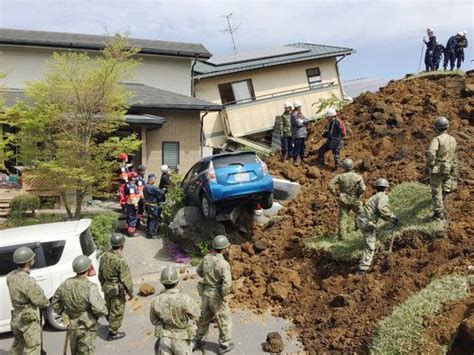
228, 180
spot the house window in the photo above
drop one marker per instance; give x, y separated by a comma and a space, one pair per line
171, 154
236, 92
314, 77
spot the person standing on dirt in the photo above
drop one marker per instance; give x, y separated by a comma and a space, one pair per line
442, 165
430, 47
334, 135
450, 52
438, 52
153, 197
214, 289
285, 133
116, 281
350, 186
298, 132
376, 207
461, 43
174, 315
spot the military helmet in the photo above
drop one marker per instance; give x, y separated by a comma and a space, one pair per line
220, 242
169, 276
81, 264
381, 182
22, 255
441, 123
347, 164
117, 240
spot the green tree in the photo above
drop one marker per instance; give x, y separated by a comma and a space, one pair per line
65, 134
333, 101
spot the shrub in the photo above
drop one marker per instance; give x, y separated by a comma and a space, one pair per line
174, 199
102, 226
24, 203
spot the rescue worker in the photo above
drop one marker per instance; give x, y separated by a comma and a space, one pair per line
153, 197
376, 207
80, 303
334, 135
214, 289
165, 177
298, 131
131, 208
123, 170
174, 315
450, 52
350, 186
140, 185
116, 281
461, 43
27, 297
285, 133
438, 52
430, 47
442, 165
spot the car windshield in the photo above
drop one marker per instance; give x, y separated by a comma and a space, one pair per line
238, 159
87, 242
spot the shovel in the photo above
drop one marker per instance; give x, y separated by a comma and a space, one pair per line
388, 256
43, 352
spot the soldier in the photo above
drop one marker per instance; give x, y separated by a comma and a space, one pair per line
116, 281
27, 298
174, 315
376, 207
334, 135
285, 133
153, 197
140, 185
351, 186
80, 303
165, 177
214, 288
442, 165
133, 197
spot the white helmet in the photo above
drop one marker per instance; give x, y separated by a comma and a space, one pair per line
428, 30
287, 104
465, 32
461, 33
297, 104
331, 112
164, 168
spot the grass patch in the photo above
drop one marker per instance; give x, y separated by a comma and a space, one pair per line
410, 201
435, 74
401, 332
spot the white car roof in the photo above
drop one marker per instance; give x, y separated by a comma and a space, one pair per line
39, 232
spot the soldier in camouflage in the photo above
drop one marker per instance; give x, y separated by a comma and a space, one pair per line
27, 298
351, 186
174, 315
214, 289
116, 281
442, 165
285, 133
376, 207
79, 301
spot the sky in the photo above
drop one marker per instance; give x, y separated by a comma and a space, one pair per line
387, 35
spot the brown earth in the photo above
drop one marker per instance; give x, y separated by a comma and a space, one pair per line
274, 343
390, 131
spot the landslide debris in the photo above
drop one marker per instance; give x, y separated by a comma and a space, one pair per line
390, 131
274, 343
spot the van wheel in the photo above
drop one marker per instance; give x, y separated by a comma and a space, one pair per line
267, 200
207, 207
54, 319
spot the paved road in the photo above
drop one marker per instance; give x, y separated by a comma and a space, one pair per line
147, 258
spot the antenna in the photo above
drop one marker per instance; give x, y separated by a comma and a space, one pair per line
231, 30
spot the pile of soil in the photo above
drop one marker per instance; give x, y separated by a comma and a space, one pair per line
390, 131
274, 343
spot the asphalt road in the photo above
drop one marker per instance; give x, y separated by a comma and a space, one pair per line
146, 259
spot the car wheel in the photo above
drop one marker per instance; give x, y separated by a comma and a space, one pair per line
55, 320
267, 200
207, 207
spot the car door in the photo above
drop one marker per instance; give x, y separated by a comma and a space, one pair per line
195, 184
187, 183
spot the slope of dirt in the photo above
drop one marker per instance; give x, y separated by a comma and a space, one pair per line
389, 133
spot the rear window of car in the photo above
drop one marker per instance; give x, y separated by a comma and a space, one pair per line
246, 158
87, 242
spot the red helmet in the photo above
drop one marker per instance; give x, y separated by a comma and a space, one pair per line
123, 156
132, 174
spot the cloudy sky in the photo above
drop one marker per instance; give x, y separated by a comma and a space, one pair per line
386, 34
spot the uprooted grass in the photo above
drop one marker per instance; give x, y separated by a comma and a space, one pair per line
410, 201
435, 74
401, 332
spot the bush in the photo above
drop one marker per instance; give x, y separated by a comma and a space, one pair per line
24, 203
174, 199
102, 226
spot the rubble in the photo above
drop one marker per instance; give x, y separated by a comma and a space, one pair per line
146, 289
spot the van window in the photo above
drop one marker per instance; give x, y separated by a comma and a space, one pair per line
53, 251
87, 242
6, 257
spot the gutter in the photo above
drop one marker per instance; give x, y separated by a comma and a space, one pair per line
341, 89
193, 94
202, 138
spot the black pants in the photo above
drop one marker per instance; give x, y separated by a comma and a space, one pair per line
429, 60
153, 217
449, 57
298, 148
459, 59
286, 147
330, 145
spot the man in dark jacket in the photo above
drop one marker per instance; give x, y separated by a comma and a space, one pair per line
461, 43
336, 131
438, 52
153, 197
449, 52
298, 131
430, 47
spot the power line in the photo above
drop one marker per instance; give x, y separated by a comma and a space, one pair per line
231, 30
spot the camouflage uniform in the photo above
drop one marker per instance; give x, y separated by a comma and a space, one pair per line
351, 186
442, 163
80, 301
215, 285
376, 207
116, 281
174, 315
26, 297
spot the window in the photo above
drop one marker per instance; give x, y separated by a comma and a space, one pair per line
237, 159
53, 251
236, 92
171, 154
87, 242
6, 257
314, 77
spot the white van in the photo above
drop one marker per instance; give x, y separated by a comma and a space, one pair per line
55, 245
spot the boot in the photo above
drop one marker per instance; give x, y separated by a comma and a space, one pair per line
226, 349
198, 345
115, 335
437, 217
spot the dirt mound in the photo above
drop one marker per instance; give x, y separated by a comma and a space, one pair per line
389, 134
274, 343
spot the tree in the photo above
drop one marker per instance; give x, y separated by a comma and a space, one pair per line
333, 101
65, 134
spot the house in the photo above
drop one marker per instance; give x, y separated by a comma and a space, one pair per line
162, 111
253, 86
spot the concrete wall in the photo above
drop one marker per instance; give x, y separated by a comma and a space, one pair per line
29, 63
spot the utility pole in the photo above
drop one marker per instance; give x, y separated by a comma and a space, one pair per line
231, 30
